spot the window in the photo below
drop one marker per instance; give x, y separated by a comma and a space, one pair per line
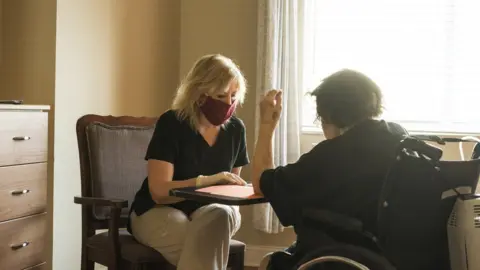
424, 54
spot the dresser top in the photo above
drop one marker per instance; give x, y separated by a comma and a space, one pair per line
8, 107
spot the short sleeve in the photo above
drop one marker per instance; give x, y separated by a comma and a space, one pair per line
286, 187
242, 156
164, 143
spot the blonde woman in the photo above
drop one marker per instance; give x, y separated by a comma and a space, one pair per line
199, 142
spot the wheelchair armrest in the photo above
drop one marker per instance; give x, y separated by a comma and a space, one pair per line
327, 219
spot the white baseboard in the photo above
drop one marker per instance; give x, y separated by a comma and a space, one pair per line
255, 253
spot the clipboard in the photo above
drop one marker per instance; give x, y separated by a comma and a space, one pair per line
222, 194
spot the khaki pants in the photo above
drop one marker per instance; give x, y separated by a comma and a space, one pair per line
265, 261
201, 242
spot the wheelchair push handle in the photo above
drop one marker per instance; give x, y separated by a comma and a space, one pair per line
442, 141
422, 148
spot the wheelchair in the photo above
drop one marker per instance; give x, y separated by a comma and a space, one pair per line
414, 208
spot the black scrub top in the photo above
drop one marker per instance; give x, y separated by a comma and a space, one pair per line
174, 141
344, 175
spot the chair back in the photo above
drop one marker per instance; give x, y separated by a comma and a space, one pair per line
112, 151
417, 198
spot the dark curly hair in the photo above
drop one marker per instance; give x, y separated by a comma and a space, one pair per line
346, 98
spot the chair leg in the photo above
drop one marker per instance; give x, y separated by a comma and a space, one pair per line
239, 262
86, 264
138, 266
132, 266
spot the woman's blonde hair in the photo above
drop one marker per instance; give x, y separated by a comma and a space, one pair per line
210, 75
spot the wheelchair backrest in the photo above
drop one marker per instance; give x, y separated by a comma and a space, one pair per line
416, 201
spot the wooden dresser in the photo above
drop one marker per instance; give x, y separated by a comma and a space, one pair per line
23, 187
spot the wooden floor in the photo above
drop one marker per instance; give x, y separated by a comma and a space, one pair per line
250, 268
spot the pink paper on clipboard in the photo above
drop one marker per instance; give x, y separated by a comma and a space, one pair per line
231, 191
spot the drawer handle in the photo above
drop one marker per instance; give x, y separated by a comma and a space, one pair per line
21, 138
20, 192
19, 246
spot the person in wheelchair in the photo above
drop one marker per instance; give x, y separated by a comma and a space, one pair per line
341, 175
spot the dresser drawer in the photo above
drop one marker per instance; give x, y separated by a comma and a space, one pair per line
23, 137
23, 242
23, 190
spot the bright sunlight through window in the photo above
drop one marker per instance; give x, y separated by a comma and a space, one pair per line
424, 54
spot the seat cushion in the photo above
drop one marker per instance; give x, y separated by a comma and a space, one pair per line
134, 252
236, 247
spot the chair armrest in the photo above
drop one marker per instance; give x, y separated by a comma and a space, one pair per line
116, 206
114, 203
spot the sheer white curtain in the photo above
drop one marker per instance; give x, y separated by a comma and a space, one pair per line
279, 66
424, 54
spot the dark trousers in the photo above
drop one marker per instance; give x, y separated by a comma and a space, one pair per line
312, 243
308, 240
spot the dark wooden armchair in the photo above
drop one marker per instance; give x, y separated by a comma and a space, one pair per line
112, 164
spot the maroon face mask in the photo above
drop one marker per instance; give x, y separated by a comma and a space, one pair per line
216, 111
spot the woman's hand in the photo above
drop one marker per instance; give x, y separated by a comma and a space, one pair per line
220, 178
271, 108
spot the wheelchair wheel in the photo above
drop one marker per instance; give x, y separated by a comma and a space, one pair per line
344, 257
335, 259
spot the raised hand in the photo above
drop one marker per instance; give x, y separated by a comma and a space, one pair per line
271, 107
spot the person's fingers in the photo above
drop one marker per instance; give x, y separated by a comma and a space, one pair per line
223, 178
279, 96
243, 182
231, 178
268, 101
240, 181
278, 100
270, 96
237, 179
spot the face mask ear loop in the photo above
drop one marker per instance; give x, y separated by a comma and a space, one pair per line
460, 145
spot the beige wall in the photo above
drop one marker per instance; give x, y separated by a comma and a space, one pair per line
113, 57
27, 62
1, 36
